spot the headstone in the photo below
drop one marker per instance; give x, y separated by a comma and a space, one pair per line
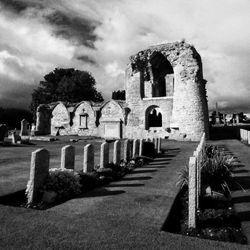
237, 119
3, 132
241, 134
15, 138
155, 142
24, 127
141, 147
136, 146
192, 185
127, 150
117, 152
88, 158
33, 129
39, 170
104, 155
158, 145
68, 157
248, 137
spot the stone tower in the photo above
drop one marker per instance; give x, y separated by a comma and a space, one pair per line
166, 94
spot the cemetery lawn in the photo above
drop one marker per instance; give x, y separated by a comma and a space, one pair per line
127, 214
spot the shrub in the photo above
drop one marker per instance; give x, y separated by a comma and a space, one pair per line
64, 182
183, 177
88, 181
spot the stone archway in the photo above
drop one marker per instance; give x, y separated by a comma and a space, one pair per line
153, 117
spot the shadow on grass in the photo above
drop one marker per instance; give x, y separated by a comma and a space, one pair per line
15, 199
127, 185
241, 199
100, 192
144, 171
136, 178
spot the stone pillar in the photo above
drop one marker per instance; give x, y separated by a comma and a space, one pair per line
24, 127
237, 119
68, 157
88, 158
127, 150
104, 155
39, 170
141, 147
117, 152
158, 145
155, 142
192, 192
241, 134
135, 148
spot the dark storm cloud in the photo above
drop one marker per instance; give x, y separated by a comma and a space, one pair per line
86, 59
70, 27
18, 6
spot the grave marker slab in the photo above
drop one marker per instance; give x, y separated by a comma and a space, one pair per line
104, 155
117, 152
88, 158
39, 170
68, 157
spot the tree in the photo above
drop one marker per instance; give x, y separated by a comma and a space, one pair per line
67, 85
119, 95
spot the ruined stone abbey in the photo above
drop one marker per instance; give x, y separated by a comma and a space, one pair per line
165, 97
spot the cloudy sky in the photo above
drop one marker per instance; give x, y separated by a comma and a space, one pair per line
36, 36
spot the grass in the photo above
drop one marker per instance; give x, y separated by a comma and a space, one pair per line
16, 159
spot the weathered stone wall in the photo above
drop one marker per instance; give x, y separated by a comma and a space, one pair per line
184, 114
43, 116
60, 120
112, 120
84, 109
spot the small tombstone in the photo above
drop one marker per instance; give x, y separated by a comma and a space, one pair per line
104, 155
155, 143
15, 138
39, 170
33, 129
24, 127
68, 157
127, 150
141, 147
117, 152
136, 146
3, 132
192, 192
158, 145
88, 158
248, 137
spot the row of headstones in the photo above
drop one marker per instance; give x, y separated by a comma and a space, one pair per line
39, 168
194, 181
245, 135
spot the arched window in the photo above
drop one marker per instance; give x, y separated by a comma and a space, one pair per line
161, 76
153, 117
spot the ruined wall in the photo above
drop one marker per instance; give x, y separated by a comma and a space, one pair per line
60, 120
43, 116
184, 114
112, 120
84, 111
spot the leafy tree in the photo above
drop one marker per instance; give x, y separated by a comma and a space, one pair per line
67, 85
119, 95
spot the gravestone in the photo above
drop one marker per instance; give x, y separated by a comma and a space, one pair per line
117, 152
155, 142
39, 170
141, 147
104, 155
127, 150
158, 145
68, 157
248, 137
136, 146
24, 127
88, 158
33, 129
15, 138
192, 192
3, 132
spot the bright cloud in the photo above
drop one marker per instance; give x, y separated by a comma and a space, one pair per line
99, 36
